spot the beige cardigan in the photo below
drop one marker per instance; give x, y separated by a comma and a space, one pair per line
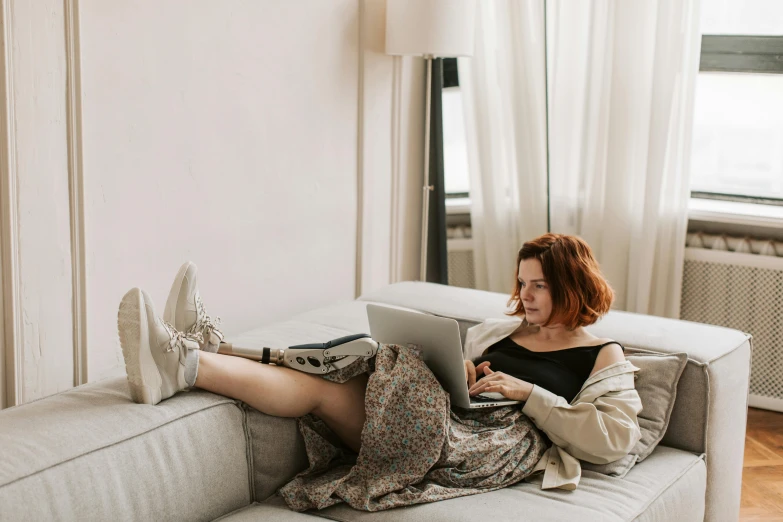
600, 425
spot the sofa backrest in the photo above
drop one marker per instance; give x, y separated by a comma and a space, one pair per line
92, 454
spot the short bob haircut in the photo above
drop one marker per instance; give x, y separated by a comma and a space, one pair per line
580, 294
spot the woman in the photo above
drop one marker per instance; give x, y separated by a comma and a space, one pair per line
578, 389
541, 355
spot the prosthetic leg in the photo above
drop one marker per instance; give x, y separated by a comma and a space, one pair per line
317, 358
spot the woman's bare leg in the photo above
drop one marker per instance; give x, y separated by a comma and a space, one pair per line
283, 392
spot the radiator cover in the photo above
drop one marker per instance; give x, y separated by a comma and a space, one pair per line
745, 292
460, 263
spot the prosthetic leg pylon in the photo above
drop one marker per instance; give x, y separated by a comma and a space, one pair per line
316, 358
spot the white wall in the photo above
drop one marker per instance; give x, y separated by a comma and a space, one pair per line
262, 140
224, 133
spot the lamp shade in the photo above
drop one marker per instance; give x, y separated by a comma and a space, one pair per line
441, 28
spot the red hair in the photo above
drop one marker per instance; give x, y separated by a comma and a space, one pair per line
580, 294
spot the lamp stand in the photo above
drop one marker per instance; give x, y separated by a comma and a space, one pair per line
426, 188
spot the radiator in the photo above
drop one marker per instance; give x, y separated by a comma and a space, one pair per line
738, 283
459, 247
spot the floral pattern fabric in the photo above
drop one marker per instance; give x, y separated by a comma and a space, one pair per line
415, 448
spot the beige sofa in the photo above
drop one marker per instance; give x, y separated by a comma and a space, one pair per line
92, 454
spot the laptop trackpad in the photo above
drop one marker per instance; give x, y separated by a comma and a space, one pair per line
493, 395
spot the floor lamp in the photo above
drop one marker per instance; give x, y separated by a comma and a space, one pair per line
432, 29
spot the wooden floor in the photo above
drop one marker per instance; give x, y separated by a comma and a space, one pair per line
762, 473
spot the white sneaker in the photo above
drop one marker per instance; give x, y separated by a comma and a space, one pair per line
154, 351
185, 309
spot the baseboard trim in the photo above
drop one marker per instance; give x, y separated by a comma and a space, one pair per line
765, 403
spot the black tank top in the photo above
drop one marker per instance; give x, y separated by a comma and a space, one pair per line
563, 372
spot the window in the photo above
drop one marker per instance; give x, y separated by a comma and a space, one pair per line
738, 117
455, 154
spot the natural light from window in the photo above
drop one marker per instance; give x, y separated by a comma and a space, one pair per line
745, 17
737, 146
738, 134
455, 154
738, 117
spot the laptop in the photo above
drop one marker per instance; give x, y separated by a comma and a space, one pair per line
439, 340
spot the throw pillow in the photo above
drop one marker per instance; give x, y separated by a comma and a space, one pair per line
656, 384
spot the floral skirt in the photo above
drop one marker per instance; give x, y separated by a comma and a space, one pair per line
414, 448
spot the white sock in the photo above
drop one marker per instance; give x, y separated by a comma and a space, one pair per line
191, 367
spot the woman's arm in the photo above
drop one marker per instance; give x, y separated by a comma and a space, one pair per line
600, 431
609, 354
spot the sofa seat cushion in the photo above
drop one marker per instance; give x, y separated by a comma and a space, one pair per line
669, 485
91, 452
273, 510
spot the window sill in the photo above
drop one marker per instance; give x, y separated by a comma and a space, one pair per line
733, 212
457, 206
709, 210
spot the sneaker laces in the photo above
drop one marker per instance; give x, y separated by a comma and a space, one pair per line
205, 325
177, 339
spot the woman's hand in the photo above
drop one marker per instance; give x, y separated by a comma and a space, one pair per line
510, 387
471, 371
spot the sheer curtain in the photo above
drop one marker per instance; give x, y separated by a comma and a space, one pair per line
504, 97
620, 91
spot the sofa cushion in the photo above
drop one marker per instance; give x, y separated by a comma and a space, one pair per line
91, 453
277, 451
274, 510
670, 484
656, 384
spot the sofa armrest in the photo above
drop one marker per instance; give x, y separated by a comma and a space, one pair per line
91, 453
711, 409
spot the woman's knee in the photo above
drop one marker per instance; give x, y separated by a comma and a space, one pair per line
337, 400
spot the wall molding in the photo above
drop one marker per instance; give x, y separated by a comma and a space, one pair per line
408, 79
360, 153
13, 330
76, 191
397, 197
377, 157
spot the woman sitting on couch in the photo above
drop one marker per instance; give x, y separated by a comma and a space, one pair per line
578, 389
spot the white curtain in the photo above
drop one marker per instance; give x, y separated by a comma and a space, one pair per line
504, 99
620, 92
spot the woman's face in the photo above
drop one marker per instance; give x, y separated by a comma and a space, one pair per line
534, 291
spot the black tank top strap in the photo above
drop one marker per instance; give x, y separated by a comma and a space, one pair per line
607, 344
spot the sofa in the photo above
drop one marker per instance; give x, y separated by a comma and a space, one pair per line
91, 454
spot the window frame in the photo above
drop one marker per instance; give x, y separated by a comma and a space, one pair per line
743, 54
